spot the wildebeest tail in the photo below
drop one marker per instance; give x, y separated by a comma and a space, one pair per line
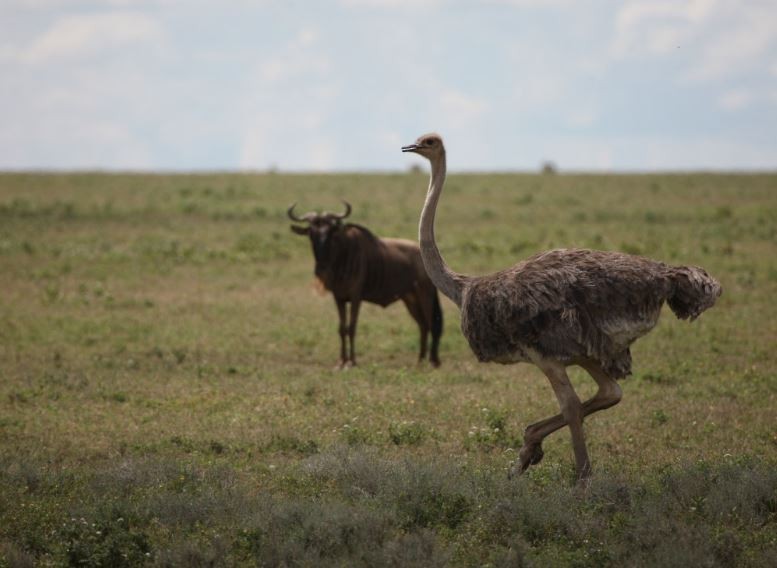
693, 292
436, 314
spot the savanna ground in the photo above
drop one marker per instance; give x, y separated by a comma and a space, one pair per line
167, 392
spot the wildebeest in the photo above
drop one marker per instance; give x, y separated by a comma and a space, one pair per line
355, 265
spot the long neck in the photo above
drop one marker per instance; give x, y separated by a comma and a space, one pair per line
446, 280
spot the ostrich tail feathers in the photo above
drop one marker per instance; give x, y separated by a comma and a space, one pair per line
694, 291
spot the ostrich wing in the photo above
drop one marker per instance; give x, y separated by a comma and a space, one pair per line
566, 304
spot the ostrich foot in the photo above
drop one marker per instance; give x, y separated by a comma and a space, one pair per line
529, 454
582, 484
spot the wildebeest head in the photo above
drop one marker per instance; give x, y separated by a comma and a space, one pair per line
320, 227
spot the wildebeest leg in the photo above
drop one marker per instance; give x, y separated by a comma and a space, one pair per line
609, 394
343, 331
413, 306
433, 311
355, 304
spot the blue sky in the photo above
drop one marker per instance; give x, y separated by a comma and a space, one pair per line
341, 84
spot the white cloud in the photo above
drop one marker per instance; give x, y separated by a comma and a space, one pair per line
459, 109
742, 98
582, 117
540, 89
300, 60
507, 83
656, 26
645, 153
322, 154
390, 3
721, 153
744, 38
88, 34
270, 141
736, 99
288, 102
716, 37
49, 4
70, 142
533, 3
255, 150
544, 79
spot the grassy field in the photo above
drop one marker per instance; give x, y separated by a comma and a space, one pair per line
168, 398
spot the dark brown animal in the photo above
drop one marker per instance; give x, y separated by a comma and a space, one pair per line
559, 308
356, 266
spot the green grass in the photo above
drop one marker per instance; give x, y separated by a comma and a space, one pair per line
168, 397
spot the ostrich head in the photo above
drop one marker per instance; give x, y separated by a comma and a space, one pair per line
319, 227
429, 146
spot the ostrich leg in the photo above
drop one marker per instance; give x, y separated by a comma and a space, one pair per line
609, 394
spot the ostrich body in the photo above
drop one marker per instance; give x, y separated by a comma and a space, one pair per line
559, 308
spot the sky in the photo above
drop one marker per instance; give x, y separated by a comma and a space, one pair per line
340, 85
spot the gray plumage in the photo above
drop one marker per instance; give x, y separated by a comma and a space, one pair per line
574, 304
559, 308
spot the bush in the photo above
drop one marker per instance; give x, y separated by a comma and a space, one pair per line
111, 538
356, 507
406, 433
294, 533
494, 435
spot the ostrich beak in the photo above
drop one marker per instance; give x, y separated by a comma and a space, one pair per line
410, 148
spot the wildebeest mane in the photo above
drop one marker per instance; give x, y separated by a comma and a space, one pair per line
362, 228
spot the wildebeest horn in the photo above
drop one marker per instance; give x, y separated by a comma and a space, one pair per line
347, 211
292, 216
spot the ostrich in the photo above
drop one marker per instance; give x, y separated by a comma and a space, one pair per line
559, 308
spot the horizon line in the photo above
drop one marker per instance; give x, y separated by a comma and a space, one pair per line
379, 171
